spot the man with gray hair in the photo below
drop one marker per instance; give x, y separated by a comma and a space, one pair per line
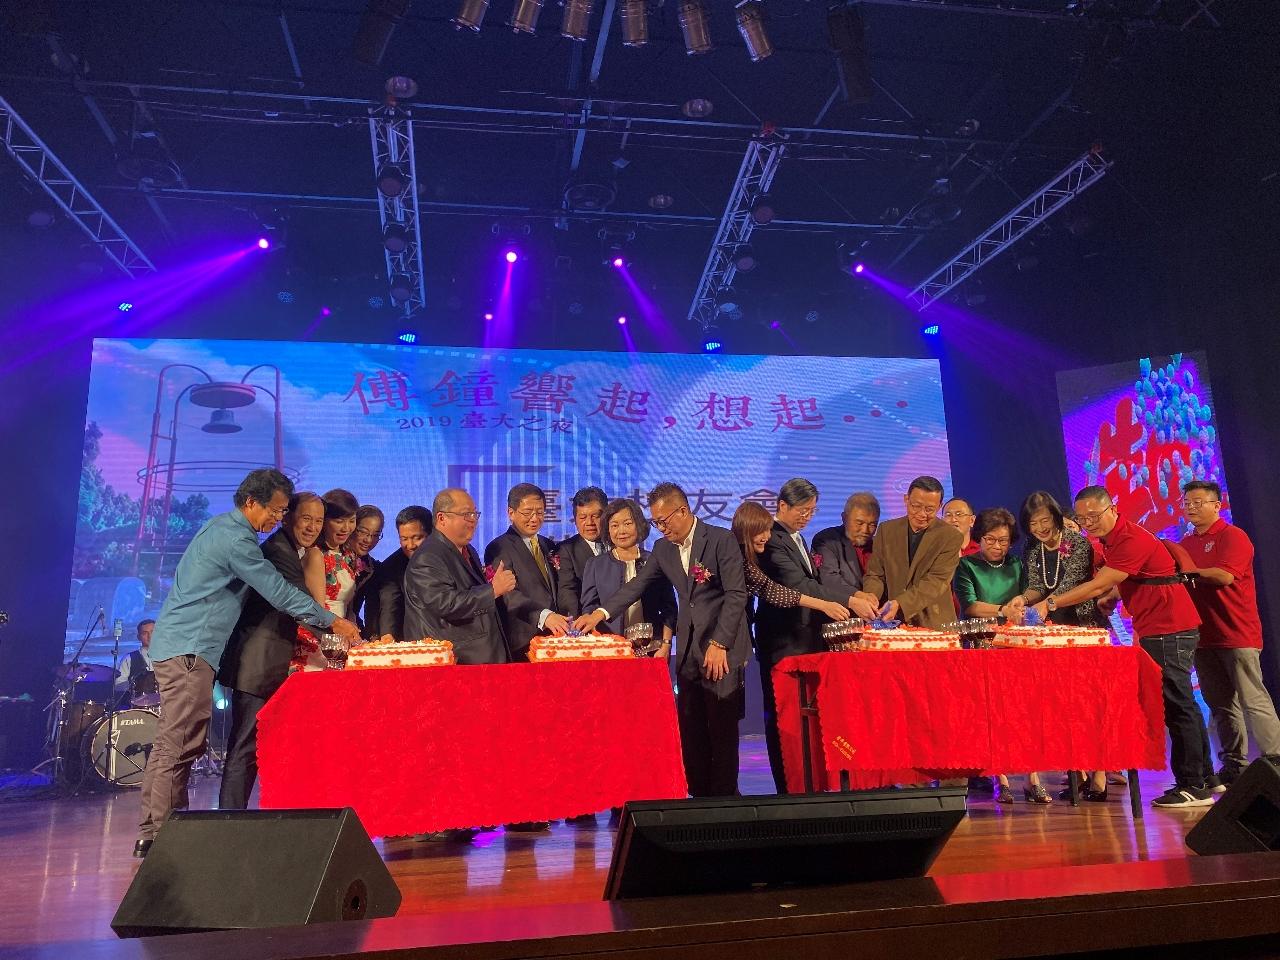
844, 551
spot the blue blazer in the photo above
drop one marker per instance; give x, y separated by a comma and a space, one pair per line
602, 577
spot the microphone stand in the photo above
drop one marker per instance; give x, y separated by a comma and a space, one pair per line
117, 627
57, 708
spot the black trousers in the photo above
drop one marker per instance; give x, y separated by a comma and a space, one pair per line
772, 742
709, 738
1189, 754
240, 769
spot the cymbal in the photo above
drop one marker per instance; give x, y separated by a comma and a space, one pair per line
86, 672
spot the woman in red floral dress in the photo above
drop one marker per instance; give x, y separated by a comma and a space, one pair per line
330, 573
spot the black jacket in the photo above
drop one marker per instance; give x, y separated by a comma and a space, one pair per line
572, 556
534, 593
447, 598
257, 657
384, 599
784, 631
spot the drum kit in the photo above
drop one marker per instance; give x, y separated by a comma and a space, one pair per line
92, 743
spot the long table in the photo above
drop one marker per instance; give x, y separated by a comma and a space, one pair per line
870, 719
424, 749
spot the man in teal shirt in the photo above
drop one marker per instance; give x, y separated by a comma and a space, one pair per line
217, 570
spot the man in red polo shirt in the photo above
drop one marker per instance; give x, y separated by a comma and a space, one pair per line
1228, 657
1165, 621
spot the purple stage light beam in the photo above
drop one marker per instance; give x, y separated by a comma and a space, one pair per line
668, 340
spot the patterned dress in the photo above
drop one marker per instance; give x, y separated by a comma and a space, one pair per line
1053, 572
339, 586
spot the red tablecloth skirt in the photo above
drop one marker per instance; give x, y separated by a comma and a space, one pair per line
419, 750
900, 717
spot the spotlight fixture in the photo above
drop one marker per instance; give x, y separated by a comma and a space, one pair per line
750, 14
694, 26
488, 316
762, 211
661, 201
697, 108
775, 325
401, 288
470, 14
932, 330
635, 23
124, 306
402, 88
618, 262
622, 321
264, 243
395, 238
511, 256
524, 16
577, 19
377, 24
859, 267
711, 342
744, 258
408, 337
391, 181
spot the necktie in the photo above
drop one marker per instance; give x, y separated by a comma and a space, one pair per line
804, 552
536, 550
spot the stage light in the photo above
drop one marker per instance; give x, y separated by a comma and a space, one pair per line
524, 16
694, 26
577, 19
661, 201
618, 262
511, 256
377, 24
401, 288
622, 321
325, 312
470, 14
859, 267
264, 243
744, 258
285, 296
408, 337
635, 22
402, 88
762, 211
395, 238
750, 14
697, 108
711, 342
124, 306
391, 181
488, 316
776, 325
932, 330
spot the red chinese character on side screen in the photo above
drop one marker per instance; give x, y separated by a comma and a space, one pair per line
473, 389
796, 413
391, 389
724, 413
545, 391
619, 403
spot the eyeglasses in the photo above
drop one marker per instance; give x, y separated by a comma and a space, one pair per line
464, 514
1197, 504
806, 514
955, 515
922, 509
1089, 519
996, 541
661, 523
368, 535
530, 514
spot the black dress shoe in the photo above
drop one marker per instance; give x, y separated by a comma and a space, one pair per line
528, 826
142, 847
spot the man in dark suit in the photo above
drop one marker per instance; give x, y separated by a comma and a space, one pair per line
787, 631
913, 560
704, 564
445, 591
572, 555
384, 599
530, 609
257, 659
845, 551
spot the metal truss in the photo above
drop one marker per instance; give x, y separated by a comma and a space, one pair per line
1131, 14
736, 225
391, 136
1035, 210
43, 166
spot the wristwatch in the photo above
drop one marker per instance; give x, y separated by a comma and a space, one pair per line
1052, 604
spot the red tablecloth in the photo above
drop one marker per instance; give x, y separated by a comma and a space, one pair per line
419, 750
890, 717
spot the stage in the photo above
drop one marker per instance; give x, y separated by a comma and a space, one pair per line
67, 861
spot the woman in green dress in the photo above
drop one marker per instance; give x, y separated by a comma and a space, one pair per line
986, 582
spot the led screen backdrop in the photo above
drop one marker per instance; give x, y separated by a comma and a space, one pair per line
178, 423
1142, 429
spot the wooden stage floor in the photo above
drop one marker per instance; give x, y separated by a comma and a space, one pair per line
66, 863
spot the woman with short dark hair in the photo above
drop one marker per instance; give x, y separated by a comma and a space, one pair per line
624, 531
1057, 559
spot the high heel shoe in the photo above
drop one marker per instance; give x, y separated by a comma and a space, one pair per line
1036, 793
1004, 794
1087, 793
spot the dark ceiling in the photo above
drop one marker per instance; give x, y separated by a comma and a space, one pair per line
1180, 93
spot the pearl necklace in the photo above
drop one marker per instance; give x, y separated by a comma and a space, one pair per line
1044, 569
995, 566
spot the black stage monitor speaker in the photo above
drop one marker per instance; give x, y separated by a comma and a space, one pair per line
234, 869
1246, 819
674, 847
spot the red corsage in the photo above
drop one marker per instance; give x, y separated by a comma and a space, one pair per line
699, 573
489, 572
817, 560
1064, 548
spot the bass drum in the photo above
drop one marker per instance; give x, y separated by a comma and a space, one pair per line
117, 748
77, 720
